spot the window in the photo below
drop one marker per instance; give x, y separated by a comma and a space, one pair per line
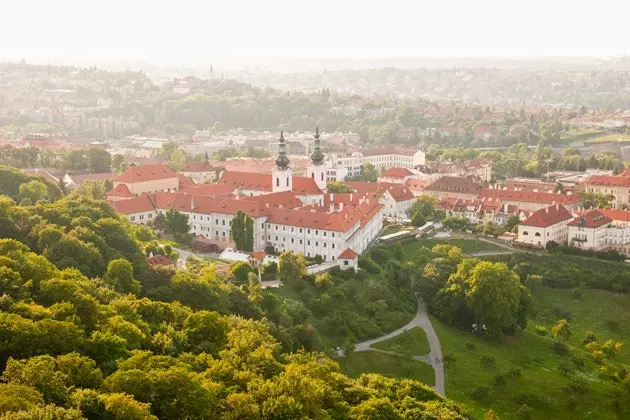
324, 244
223, 234
268, 237
276, 227
300, 242
284, 228
150, 215
316, 243
317, 232
333, 234
277, 182
308, 231
216, 221
223, 222
324, 233
292, 230
132, 218
300, 230
525, 233
287, 182
216, 233
345, 262
292, 240
308, 243
276, 237
537, 234
333, 246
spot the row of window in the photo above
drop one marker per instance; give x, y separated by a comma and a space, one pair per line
301, 242
141, 217
308, 231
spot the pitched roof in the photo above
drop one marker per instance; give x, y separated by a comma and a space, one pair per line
548, 216
162, 260
400, 193
120, 190
620, 215
592, 219
530, 196
79, 179
389, 150
454, 184
145, 173
348, 254
198, 167
396, 173
184, 181
363, 188
263, 182
608, 181
209, 189
140, 204
259, 256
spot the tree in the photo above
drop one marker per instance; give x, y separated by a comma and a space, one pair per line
242, 231
369, 172
561, 331
598, 200
117, 161
425, 204
240, 271
291, 267
160, 223
338, 187
176, 222
511, 223
495, 297
99, 161
418, 219
33, 191
120, 276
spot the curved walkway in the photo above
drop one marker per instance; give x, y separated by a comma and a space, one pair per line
434, 358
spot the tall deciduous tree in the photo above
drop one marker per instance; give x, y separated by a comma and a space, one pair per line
291, 267
242, 231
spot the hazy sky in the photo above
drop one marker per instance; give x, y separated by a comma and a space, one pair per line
187, 32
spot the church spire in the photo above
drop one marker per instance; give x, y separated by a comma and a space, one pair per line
282, 161
317, 157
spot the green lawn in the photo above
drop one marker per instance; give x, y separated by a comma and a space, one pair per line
605, 313
386, 364
466, 245
391, 229
477, 363
612, 137
413, 341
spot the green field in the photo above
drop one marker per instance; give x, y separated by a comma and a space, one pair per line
605, 313
386, 364
611, 137
478, 365
581, 135
413, 341
466, 245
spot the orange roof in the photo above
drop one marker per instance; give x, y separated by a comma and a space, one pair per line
348, 254
401, 193
592, 219
140, 204
396, 173
145, 173
120, 190
362, 187
285, 199
608, 181
162, 260
79, 179
621, 215
209, 189
529, 196
263, 182
548, 216
185, 182
259, 256
198, 167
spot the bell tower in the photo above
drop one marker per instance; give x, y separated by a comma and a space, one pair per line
316, 168
282, 176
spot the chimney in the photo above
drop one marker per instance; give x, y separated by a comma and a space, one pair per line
547, 210
351, 196
332, 207
267, 205
192, 203
340, 206
332, 197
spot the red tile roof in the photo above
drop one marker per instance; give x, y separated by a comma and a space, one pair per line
140, 204
120, 190
185, 182
162, 260
548, 216
145, 173
198, 167
209, 189
608, 181
621, 215
79, 179
285, 199
348, 254
455, 185
529, 196
363, 188
401, 193
592, 219
396, 173
259, 256
263, 182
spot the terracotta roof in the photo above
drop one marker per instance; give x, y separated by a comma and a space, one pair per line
592, 219
145, 173
621, 215
363, 188
455, 184
396, 173
209, 189
162, 260
608, 181
120, 190
259, 256
529, 196
548, 216
184, 181
348, 254
140, 204
263, 182
400, 193
285, 199
198, 167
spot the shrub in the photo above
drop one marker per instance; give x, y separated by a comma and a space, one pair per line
470, 346
541, 330
481, 393
515, 372
524, 412
560, 348
500, 380
579, 362
488, 361
613, 325
562, 313
448, 358
578, 385
589, 337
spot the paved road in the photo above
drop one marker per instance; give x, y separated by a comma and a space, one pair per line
434, 358
484, 253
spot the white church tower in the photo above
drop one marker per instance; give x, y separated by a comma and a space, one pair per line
282, 176
316, 168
